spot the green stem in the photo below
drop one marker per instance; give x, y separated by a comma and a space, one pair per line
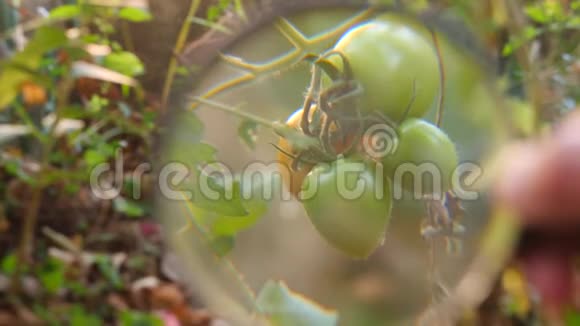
25, 117
301, 140
179, 45
239, 113
303, 46
440, 103
31, 218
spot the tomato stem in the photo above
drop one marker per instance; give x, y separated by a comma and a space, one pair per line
303, 46
439, 116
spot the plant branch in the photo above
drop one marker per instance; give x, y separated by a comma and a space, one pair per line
306, 45
179, 45
298, 138
237, 112
31, 217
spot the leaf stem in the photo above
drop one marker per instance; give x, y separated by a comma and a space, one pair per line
300, 139
237, 112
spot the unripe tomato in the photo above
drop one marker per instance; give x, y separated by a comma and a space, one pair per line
33, 94
425, 153
291, 179
387, 56
348, 204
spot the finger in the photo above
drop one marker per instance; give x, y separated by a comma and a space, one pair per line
541, 180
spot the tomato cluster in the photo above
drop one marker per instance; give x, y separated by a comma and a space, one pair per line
383, 72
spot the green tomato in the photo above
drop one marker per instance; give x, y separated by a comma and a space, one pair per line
424, 154
348, 204
388, 56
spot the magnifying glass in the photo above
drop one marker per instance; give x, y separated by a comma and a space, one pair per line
352, 99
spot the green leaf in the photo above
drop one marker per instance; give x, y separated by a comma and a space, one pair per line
298, 140
214, 12
128, 207
100, 154
45, 39
217, 194
94, 157
97, 103
125, 63
530, 33
77, 288
573, 22
9, 263
192, 154
80, 317
52, 276
106, 267
10, 81
188, 132
286, 308
221, 229
136, 15
248, 133
254, 202
15, 167
136, 318
149, 119
508, 49
537, 14
23, 65
202, 153
572, 318
65, 12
